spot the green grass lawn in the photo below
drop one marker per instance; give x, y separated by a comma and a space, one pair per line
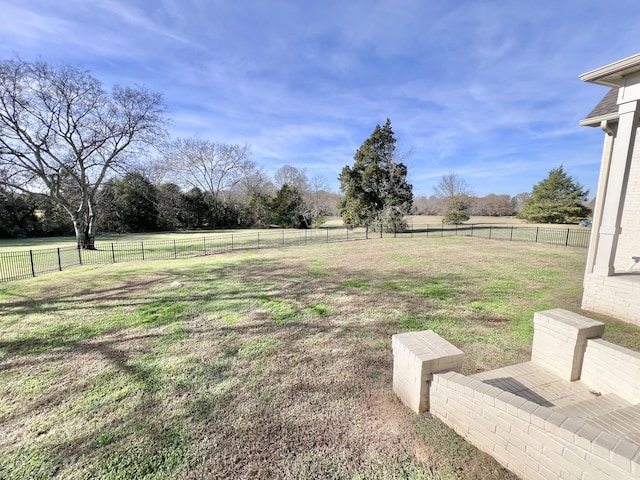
269, 364
332, 223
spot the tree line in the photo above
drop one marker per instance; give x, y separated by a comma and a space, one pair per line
558, 198
74, 158
133, 203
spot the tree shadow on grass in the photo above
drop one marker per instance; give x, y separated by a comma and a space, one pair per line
307, 404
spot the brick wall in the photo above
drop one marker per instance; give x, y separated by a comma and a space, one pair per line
610, 368
559, 341
584, 438
532, 441
629, 242
615, 296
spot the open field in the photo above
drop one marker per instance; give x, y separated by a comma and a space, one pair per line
20, 244
262, 364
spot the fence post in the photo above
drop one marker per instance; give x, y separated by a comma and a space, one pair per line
33, 270
175, 251
380, 230
537, 230
204, 244
80, 254
347, 230
411, 230
511, 237
142, 249
113, 253
472, 229
566, 243
327, 228
59, 261
456, 229
258, 240
489, 232
232, 241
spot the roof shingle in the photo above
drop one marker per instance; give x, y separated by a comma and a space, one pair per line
608, 104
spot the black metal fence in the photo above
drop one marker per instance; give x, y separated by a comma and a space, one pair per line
30, 263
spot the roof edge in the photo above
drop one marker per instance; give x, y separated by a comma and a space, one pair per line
611, 75
595, 121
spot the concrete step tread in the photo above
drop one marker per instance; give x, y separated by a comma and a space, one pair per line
531, 381
594, 407
624, 421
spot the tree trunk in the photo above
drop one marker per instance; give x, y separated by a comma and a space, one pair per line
85, 227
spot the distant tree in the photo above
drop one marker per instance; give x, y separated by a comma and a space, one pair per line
375, 189
519, 200
258, 211
556, 199
291, 176
215, 168
423, 205
287, 208
171, 206
314, 193
493, 205
139, 200
108, 208
62, 134
52, 218
455, 195
17, 214
317, 201
129, 204
256, 181
196, 209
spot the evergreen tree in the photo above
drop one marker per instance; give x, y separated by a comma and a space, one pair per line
258, 211
457, 211
172, 207
196, 209
556, 199
287, 208
128, 204
375, 189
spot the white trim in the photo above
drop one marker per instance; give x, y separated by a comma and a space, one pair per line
611, 75
596, 121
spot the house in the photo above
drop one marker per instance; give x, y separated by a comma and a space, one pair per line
612, 274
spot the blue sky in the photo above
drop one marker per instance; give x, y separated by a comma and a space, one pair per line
488, 90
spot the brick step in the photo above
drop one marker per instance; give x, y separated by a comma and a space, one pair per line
593, 407
624, 422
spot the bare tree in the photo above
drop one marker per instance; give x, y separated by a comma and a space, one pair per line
61, 134
450, 186
215, 168
317, 200
427, 206
455, 194
256, 181
292, 176
519, 199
